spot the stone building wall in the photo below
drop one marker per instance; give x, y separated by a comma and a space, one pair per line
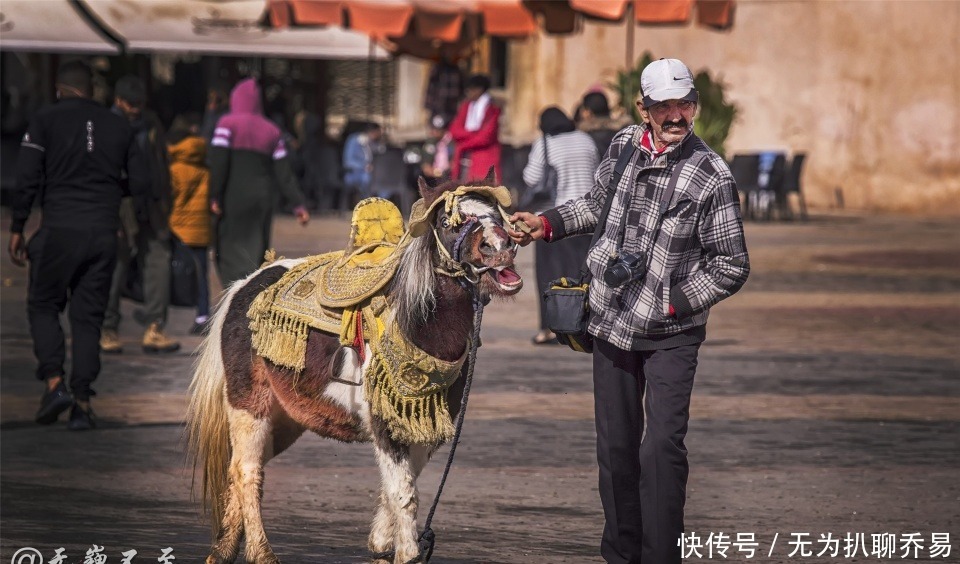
869, 89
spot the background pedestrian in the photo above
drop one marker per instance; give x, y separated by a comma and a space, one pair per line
71, 157
190, 218
476, 132
573, 155
248, 163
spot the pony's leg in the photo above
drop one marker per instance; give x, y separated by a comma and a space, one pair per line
227, 545
252, 448
381, 532
399, 499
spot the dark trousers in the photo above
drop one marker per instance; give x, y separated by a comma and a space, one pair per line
642, 482
77, 265
155, 251
203, 280
156, 275
564, 258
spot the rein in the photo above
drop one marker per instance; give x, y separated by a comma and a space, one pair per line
428, 538
451, 265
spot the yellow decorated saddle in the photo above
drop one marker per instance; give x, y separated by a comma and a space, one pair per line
344, 293
339, 293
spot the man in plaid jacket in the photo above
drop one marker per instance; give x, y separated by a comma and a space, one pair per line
672, 246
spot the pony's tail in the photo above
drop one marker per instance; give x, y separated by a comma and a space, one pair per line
207, 423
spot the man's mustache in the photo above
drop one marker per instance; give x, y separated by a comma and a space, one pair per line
679, 123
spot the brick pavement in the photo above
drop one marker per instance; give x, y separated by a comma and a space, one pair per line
827, 401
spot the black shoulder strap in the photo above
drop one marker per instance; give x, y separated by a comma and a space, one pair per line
622, 161
685, 152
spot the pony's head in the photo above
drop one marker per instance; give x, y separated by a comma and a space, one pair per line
458, 231
466, 224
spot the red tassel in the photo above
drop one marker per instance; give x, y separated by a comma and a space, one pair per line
358, 339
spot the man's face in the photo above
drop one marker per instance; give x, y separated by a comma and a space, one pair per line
669, 120
473, 93
375, 135
130, 111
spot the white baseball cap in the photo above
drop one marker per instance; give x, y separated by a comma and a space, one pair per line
666, 79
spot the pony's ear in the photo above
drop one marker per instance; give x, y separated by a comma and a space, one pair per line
491, 178
423, 187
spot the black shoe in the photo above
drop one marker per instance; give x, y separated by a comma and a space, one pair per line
200, 328
52, 404
80, 419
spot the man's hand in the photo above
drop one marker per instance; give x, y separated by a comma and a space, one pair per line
215, 208
529, 227
17, 249
303, 216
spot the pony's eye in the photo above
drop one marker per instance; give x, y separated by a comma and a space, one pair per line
445, 223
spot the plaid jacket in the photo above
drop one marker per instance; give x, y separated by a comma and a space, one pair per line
696, 258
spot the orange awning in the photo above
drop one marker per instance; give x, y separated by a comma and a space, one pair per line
605, 9
380, 20
507, 18
662, 11
715, 13
284, 13
434, 26
445, 27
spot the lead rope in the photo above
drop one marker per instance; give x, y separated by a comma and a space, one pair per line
427, 537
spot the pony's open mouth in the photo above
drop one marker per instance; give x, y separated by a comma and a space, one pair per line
507, 279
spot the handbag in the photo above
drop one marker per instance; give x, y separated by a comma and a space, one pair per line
566, 303
183, 275
184, 285
543, 194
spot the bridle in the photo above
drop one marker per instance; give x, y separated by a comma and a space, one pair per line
452, 264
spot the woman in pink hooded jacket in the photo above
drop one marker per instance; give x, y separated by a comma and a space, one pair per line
248, 161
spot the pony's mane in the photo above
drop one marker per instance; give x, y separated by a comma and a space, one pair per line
413, 290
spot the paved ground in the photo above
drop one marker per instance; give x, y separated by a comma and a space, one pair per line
827, 402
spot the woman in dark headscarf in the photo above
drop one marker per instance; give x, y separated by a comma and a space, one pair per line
574, 156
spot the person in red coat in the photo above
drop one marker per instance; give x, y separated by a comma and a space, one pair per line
475, 132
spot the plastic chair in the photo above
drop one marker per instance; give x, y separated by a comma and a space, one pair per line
746, 171
772, 186
791, 183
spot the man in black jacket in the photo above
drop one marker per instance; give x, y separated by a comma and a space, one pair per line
72, 157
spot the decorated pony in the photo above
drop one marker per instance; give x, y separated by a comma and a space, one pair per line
365, 344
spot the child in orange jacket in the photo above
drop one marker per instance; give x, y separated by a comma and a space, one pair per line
190, 217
